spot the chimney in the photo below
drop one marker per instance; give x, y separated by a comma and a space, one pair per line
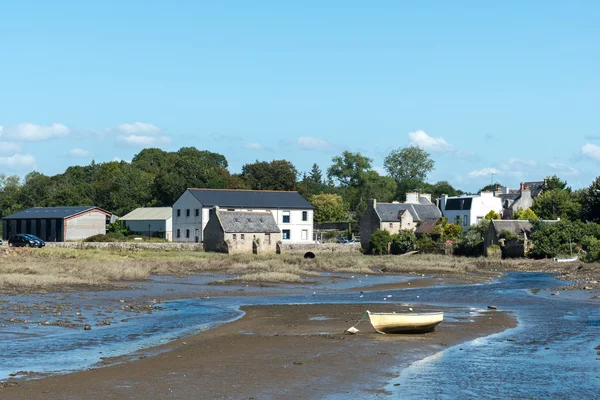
442, 205
412, 198
522, 186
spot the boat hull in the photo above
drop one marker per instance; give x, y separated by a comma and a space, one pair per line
405, 322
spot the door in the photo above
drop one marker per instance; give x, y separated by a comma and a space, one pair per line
197, 235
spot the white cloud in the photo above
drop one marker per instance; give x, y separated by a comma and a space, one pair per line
591, 151
33, 133
1, 130
485, 172
9, 148
17, 161
79, 153
253, 146
562, 169
311, 143
381, 171
429, 143
144, 141
138, 128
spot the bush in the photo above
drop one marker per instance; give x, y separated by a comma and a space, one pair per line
492, 215
591, 246
507, 235
100, 238
425, 244
379, 242
402, 242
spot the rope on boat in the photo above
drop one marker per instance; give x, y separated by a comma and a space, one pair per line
353, 329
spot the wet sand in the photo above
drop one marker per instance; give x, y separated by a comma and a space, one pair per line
292, 352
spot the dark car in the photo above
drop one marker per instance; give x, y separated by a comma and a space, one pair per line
23, 240
40, 242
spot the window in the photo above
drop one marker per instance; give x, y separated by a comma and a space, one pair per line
231, 209
197, 212
479, 219
285, 234
187, 233
391, 225
267, 238
304, 234
465, 220
242, 236
286, 217
178, 233
304, 215
234, 236
179, 212
187, 212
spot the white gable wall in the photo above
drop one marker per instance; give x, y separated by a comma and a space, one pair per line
299, 231
480, 206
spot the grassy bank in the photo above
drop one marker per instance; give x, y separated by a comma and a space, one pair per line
53, 269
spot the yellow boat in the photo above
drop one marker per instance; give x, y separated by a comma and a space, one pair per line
405, 322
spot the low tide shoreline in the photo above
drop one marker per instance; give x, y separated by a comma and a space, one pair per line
278, 351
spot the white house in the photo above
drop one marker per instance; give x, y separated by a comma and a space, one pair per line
151, 221
293, 214
469, 209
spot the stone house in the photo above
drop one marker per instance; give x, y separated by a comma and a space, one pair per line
514, 248
292, 213
518, 199
241, 232
396, 216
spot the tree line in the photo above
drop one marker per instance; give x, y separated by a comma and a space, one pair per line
339, 193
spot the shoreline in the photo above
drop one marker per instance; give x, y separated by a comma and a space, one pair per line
271, 350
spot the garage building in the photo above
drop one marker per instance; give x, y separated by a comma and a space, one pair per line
150, 221
57, 224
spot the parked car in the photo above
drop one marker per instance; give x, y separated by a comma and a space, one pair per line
40, 242
342, 240
24, 240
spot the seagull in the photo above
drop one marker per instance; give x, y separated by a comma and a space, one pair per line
389, 295
362, 295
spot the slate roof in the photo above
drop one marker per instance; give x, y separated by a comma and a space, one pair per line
248, 222
52, 212
516, 227
390, 212
149, 214
266, 199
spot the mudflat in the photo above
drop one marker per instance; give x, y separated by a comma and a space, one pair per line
289, 351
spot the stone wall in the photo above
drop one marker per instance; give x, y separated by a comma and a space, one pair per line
318, 248
126, 245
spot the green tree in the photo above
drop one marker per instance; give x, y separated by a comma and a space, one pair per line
379, 242
526, 215
274, 175
557, 203
403, 242
492, 215
349, 168
409, 166
316, 175
490, 188
590, 202
328, 208
472, 242
554, 183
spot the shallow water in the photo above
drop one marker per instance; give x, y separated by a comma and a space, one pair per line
550, 354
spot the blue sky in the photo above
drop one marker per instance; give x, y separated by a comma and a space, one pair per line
510, 88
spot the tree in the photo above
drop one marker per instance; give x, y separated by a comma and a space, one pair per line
557, 203
349, 168
379, 242
403, 242
492, 215
490, 188
328, 208
551, 239
409, 166
590, 202
554, 182
316, 175
526, 215
274, 175
472, 242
